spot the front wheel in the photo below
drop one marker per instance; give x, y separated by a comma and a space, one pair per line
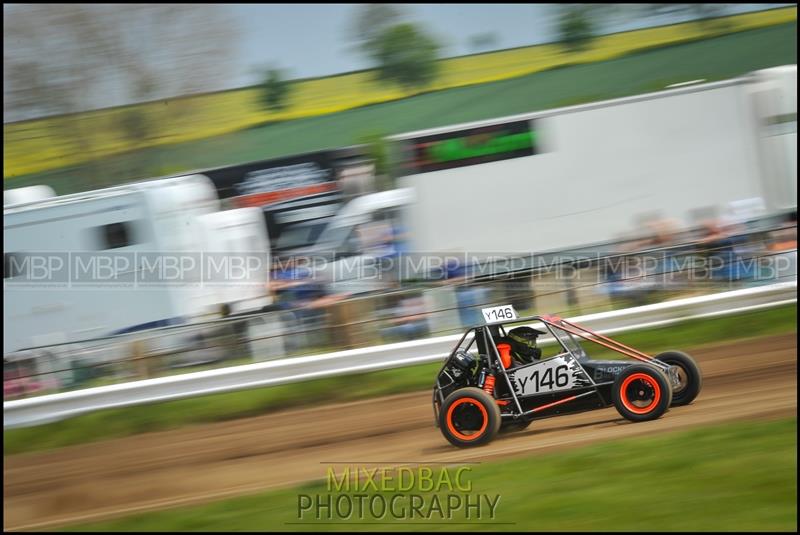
641, 393
469, 417
690, 380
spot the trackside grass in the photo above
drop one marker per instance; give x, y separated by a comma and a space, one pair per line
733, 477
128, 421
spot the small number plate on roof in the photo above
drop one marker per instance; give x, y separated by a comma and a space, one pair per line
501, 313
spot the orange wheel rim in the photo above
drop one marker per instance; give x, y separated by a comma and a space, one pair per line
458, 434
647, 380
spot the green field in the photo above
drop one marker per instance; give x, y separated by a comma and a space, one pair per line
168, 415
733, 477
711, 59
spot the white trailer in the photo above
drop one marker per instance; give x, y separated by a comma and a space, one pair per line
773, 95
27, 194
238, 250
91, 264
589, 174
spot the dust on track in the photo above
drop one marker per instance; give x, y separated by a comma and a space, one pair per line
743, 380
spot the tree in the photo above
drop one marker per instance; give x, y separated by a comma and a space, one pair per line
401, 53
370, 21
704, 14
377, 149
275, 90
576, 26
405, 55
482, 41
66, 58
698, 11
61, 59
135, 124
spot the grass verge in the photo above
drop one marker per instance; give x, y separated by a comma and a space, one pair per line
128, 421
732, 477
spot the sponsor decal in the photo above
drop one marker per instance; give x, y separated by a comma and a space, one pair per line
284, 177
471, 146
270, 197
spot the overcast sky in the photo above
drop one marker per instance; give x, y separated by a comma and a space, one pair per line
312, 39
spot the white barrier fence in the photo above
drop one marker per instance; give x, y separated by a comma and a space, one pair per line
53, 407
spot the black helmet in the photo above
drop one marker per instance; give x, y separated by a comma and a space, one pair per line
523, 343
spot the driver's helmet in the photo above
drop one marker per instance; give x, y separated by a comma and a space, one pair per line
523, 343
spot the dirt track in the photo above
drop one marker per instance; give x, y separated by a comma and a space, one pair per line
743, 380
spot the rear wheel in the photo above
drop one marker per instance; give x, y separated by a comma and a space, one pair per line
689, 376
641, 393
469, 417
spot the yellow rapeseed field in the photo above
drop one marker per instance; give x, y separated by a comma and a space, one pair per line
40, 145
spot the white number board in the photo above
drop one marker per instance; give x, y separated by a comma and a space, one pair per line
501, 313
547, 376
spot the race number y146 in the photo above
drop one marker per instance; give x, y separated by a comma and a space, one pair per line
501, 313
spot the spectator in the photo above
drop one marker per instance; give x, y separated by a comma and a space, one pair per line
469, 297
782, 247
303, 297
721, 248
409, 320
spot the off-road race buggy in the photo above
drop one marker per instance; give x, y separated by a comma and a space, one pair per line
485, 388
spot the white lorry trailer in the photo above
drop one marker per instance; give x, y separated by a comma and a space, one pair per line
237, 246
126, 258
27, 194
583, 175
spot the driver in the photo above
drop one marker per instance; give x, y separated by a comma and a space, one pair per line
523, 344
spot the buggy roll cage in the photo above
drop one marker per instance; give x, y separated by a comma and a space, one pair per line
484, 339
552, 322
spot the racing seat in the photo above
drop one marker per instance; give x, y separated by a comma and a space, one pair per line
503, 347
504, 350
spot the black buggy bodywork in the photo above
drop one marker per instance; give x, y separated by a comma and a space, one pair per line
476, 395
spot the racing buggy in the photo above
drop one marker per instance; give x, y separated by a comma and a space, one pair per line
497, 380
